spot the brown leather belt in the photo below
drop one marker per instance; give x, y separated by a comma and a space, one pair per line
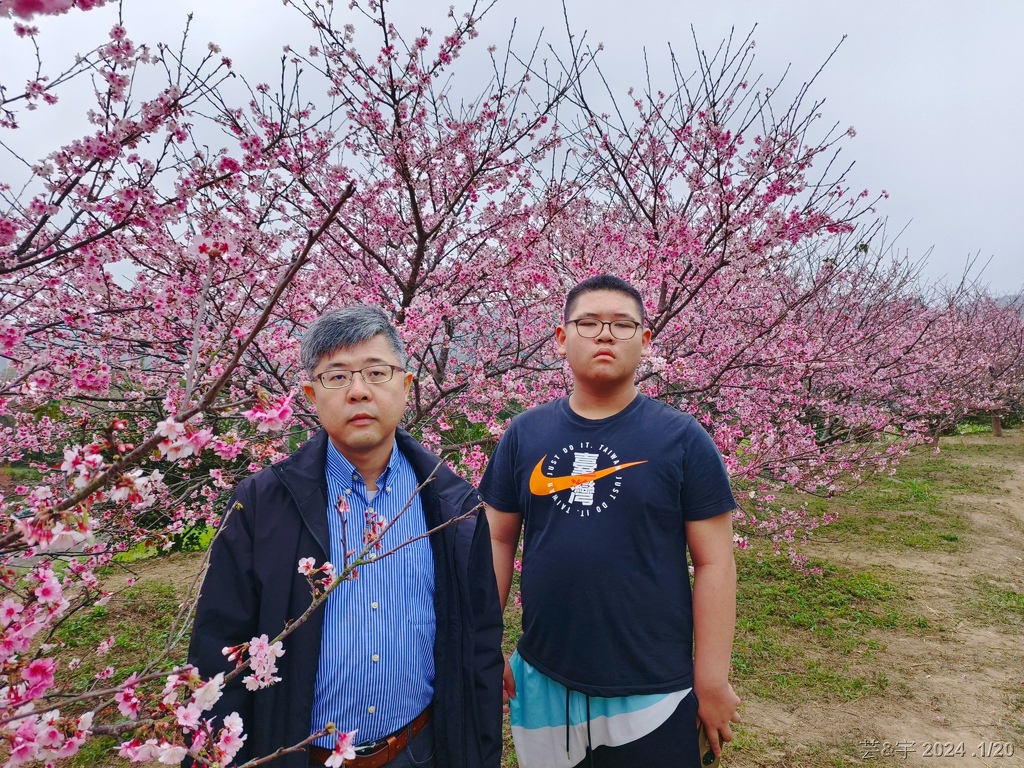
379, 752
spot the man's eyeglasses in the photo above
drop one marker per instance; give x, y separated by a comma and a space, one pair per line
589, 328
372, 374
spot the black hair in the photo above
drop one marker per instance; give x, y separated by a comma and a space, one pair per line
602, 283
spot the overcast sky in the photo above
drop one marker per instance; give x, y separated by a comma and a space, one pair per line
934, 88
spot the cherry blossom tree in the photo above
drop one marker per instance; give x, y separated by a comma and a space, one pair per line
977, 361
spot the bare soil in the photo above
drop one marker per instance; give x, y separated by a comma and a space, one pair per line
955, 693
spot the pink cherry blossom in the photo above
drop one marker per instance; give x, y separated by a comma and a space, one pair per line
231, 737
170, 429
139, 751
210, 692
26, 9
171, 754
188, 716
263, 657
128, 703
344, 749
40, 673
49, 735
271, 416
48, 592
10, 610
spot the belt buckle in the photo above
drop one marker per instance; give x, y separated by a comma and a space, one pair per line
368, 749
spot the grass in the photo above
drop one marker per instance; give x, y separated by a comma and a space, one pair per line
772, 752
14, 475
138, 619
982, 425
1016, 705
811, 639
790, 623
804, 635
97, 751
999, 604
196, 540
907, 511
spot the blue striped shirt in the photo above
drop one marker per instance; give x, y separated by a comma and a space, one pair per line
376, 668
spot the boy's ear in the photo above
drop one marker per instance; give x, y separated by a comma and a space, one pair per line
560, 339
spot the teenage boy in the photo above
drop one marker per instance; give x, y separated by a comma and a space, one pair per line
618, 656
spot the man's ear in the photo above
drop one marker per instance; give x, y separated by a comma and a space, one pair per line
310, 391
407, 382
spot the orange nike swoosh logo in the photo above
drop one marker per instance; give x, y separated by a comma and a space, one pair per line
542, 485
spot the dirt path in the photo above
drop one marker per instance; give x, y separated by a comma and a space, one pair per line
955, 692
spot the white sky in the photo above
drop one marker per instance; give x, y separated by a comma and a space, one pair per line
934, 88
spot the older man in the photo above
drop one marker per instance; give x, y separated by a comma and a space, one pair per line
408, 654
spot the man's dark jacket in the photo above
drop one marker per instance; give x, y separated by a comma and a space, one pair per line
253, 587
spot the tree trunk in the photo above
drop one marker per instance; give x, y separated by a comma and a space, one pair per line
997, 425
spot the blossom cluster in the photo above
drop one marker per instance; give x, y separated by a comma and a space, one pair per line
46, 737
326, 573
184, 700
271, 416
263, 656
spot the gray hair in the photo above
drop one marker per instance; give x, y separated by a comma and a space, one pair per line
344, 328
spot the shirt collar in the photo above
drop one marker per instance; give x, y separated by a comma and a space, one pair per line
343, 469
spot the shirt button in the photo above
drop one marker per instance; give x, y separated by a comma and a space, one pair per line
387, 489
348, 491
376, 657
371, 709
369, 510
374, 605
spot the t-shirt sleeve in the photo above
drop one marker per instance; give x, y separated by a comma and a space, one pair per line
498, 485
706, 491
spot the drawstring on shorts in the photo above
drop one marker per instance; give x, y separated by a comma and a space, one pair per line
590, 748
567, 722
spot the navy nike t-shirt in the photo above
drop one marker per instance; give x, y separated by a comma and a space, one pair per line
605, 587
